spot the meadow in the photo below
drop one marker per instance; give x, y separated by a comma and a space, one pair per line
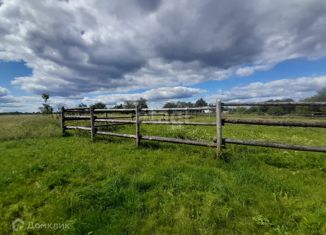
111, 187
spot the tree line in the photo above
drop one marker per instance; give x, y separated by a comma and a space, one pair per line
287, 109
46, 108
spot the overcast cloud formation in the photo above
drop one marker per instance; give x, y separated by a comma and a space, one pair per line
277, 89
80, 46
164, 93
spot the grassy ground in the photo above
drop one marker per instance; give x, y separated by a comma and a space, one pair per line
111, 187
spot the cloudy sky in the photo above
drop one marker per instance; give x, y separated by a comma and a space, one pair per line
162, 50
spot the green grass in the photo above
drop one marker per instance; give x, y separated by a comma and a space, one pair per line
112, 187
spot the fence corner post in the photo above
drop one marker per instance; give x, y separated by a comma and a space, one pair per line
219, 138
63, 127
91, 111
137, 126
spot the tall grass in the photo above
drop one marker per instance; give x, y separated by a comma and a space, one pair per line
29, 126
112, 187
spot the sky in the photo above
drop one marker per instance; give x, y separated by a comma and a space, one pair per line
87, 51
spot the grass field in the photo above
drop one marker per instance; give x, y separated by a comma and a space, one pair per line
112, 187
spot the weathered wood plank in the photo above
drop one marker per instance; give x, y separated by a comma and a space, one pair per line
275, 145
77, 109
179, 141
117, 117
176, 109
78, 128
77, 118
218, 127
116, 134
92, 118
137, 126
114, 121
275, 123
179, 123
114, 110
274, 104
63, 128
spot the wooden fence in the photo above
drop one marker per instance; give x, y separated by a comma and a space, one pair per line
134, 115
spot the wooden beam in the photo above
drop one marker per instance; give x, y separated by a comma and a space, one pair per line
179, 141
114, 121
275, 145
218, 127
179, 123
137, 126
117, 117
93, 129
116, 134
69, 118
63, 128
114, 110
84, 128
176, 109
77, 109
275, 104
275, 123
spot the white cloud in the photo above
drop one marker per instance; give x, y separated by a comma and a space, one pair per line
3, 91
297, 88
80, 46
153, 95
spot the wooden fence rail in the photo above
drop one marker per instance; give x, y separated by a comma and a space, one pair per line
275, 123
218, 143
276, 104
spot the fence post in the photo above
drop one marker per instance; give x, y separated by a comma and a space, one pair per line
137, 126
106, 117
218, 127
91, 111
63, 128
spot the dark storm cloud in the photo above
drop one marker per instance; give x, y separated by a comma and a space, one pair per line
149, 5
81, 46
217, 33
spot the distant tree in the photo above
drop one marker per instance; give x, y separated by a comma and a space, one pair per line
99, 105
119, 106
275, 110
201, 103
46, 108
272, 110
262, 109
45, 97
279, 110
240, 110
128, 104
169, 105
179, 104
287, 109
82, 105
253, 109
142, 103
182, 104
319, 97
